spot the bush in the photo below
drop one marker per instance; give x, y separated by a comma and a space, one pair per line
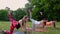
18, 14
3, 15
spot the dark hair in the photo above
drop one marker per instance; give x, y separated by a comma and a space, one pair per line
53, 19
18, 26
44, 18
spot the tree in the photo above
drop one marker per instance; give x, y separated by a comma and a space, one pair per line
50, 8
18, 14
3, 15
28, 6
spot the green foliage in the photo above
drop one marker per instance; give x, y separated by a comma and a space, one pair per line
50, 8
35, 14
27, 7
3, 15
18, 14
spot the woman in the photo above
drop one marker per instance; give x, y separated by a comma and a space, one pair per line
53, 22
22, 22
16, 24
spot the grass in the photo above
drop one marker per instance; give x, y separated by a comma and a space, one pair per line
5, 25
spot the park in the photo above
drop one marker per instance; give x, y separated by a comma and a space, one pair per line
37, 17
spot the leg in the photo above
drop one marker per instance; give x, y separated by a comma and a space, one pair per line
44, 27
54, 25
11, 29
44, 24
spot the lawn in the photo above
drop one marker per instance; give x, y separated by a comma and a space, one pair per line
5, 25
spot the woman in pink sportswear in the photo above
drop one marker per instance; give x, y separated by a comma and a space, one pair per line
16, 24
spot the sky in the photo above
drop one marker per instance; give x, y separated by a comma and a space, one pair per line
12, 4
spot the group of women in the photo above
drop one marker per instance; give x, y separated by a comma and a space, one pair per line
21, 24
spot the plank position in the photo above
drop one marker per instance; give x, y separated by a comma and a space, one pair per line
51, 23
37, 23
42, 22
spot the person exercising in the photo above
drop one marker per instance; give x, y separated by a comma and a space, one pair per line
16, 24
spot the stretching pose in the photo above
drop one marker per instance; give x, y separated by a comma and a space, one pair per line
22, 22
16, 24
37, 23
52, 23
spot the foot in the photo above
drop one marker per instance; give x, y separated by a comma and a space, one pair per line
4, 32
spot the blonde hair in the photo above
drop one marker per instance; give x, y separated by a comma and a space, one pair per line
25, 17
23, 20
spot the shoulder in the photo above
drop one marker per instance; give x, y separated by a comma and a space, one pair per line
20, 21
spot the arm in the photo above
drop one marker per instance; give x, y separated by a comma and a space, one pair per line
9, 14
26, 27
20, 21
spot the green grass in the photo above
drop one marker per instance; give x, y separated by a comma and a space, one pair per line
5, 25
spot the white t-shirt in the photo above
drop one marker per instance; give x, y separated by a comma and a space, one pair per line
35, 21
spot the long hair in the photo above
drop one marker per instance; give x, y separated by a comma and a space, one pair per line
24, 20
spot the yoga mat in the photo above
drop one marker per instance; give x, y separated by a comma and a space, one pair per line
15, 32
18, 32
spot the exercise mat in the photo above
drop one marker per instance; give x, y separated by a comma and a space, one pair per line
18, 32
15, 32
